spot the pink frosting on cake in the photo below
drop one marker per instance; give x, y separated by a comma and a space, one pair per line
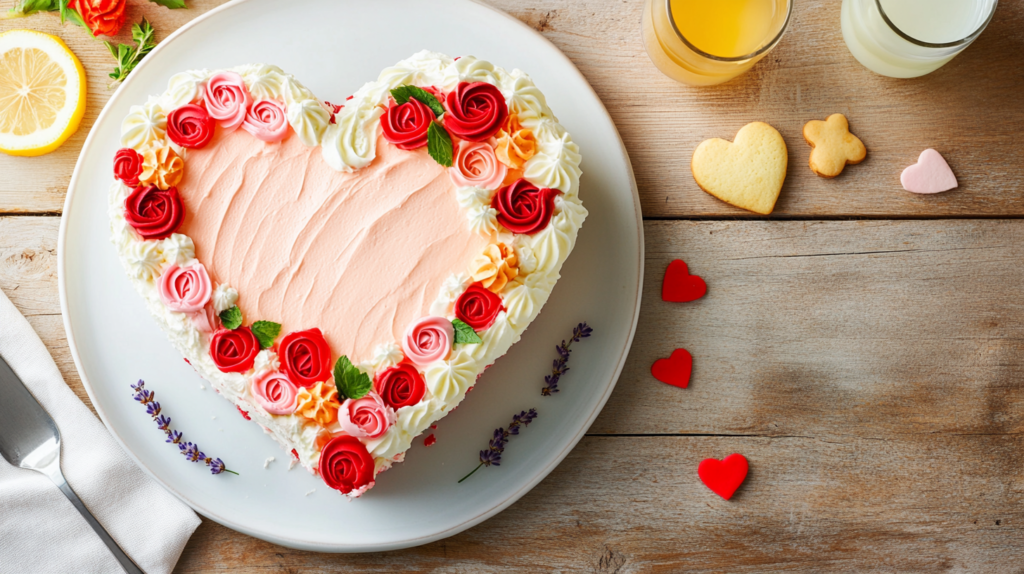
360, 255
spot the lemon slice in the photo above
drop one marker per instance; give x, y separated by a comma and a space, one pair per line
42, 92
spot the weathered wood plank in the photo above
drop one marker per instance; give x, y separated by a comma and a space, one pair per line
630, 504
830, 329
872, 366
28, 276
969, 110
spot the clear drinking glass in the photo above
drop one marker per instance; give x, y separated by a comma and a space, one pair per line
910, 38
706, 42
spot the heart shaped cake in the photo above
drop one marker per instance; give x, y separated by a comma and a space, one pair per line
344, 273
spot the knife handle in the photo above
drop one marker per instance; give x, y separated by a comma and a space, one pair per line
126, 562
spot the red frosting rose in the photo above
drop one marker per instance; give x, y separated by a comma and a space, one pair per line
306, 357
154, 213
346, 465
128, 166
523, 207
234, 351
405, 125
400, 386
103, 17
475, 111
190, 126
478, 307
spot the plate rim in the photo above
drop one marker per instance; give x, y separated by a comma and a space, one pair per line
488, 512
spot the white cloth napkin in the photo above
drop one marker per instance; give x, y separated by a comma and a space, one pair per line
40, 531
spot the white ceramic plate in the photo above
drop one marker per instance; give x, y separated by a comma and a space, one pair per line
333, 47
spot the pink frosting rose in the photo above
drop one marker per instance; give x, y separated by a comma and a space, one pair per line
367, 417
428, 340
185, 289
476, 165
275, 392
227, 99
267, 120
205, 319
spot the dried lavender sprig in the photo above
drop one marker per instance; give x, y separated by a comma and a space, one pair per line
189, 450
559, 366
492, 455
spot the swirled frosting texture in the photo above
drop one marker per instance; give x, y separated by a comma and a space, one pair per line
361, 255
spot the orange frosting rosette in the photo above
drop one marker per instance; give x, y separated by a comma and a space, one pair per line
161, 167
318, 403
515, 144
495, 267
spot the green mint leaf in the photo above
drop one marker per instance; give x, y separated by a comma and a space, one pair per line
266, 332
350, 381
231, 318
28, 7
403, 93
142, 33
129, 56
464, 334
172, 4
439, 144
72, 15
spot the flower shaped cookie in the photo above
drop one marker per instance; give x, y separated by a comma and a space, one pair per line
833, 145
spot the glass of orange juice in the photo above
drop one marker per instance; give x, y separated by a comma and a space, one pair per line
706, 42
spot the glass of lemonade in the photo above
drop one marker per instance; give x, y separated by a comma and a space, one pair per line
911, 38
705, 42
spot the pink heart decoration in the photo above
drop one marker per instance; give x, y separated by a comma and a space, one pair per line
723, 477
931, 174
674, 370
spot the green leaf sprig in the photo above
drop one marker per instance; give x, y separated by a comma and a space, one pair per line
172, 4
350, 381
128, 56
231, 318
403, 93
266, 332
439, 144
28, 7
464, 334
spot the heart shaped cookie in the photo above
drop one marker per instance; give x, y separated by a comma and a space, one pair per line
344, 273
931, 174
748, 172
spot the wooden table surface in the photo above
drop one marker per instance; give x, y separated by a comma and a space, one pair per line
863, 346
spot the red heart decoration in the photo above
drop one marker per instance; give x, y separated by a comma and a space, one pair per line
679, 286
723, 477
674, 370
